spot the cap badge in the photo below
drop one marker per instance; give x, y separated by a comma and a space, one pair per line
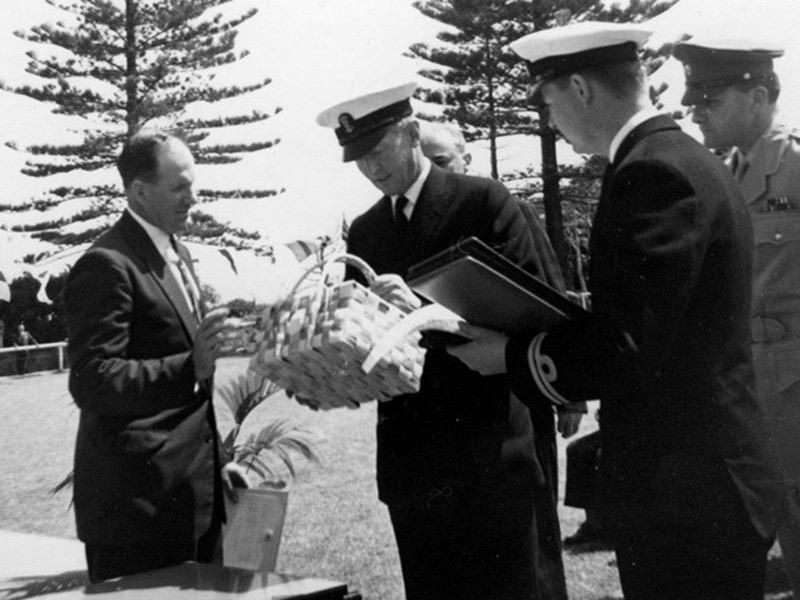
347, 123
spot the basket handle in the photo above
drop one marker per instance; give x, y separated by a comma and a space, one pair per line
350, 259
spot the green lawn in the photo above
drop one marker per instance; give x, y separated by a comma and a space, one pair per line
335, 528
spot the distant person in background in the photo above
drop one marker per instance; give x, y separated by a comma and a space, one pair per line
22, 340
733, 92
583, 488
444, 145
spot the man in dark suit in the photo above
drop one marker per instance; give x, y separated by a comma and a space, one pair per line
148, 472
457, 465
691, 493
445, 146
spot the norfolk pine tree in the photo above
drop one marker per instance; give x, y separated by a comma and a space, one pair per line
485, 84
126, 64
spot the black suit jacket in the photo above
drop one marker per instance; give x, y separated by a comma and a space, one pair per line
461, 431
665, 348
147, 462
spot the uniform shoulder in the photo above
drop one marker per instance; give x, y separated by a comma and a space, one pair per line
369, 212
110, 247
780, 148
475, 183
782, 133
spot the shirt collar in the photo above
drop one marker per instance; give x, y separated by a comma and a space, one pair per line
159, 238
636, 120
413, 192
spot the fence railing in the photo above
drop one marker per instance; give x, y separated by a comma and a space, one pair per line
18, 360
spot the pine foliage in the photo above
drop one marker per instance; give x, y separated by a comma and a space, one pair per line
484, 82
483, 85
124, 64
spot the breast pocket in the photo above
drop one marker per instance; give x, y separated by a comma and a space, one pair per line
140, 441
787, 360
113, 439
776, 228
776, 268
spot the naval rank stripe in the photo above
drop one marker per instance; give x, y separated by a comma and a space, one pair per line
544, 371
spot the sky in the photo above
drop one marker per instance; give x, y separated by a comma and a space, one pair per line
319, 52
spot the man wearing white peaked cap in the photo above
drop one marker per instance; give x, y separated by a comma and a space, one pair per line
690, 489
456, 461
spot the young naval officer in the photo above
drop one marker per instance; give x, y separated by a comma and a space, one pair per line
733, 91
690, 488
149, 468
456, 462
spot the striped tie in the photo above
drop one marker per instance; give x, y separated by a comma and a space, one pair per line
186, 277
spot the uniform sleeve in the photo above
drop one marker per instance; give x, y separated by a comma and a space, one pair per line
654, 243
106, 375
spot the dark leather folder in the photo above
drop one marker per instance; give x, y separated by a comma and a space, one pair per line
484, 288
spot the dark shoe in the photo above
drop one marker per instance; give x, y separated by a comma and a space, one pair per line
587, 533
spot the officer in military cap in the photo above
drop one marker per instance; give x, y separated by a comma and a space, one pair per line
733, 91
691, 492
456, 462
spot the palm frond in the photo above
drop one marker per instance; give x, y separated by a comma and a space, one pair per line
271, 454
273, 451
245, 393
65, 483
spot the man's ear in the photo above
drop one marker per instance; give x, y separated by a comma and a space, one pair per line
467, 159
137, 196
136, 190
759, 96
582, 88
414, 132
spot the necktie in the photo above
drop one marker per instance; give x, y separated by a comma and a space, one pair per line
186, 278
400, 218
739, 165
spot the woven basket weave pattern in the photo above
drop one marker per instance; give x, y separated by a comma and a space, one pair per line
316, 342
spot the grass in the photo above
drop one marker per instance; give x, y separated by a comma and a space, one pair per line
335, 528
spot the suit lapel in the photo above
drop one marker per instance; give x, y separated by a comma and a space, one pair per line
433, 203
159, 273
754, 182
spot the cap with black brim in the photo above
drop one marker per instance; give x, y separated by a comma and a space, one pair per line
713, 65
554, 52
362, 122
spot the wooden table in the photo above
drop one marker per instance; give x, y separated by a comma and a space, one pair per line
35, 566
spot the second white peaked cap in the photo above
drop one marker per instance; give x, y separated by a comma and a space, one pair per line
553, 52
361, 122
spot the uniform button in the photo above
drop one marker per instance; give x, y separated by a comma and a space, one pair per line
778, 236
209, 438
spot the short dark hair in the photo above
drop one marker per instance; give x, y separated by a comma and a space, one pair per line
139, 156
769, 81
622, 78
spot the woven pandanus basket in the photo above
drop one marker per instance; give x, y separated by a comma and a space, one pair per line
315, 343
